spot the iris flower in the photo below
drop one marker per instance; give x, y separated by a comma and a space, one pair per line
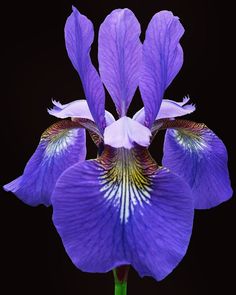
122, 208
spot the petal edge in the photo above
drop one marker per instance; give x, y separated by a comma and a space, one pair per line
61, 145
195, 153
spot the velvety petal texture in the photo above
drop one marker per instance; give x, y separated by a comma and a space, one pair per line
61, 145
76, 109
123, 210
127, 133
195, 153
161, 61
169, 109
119, 54
79, 36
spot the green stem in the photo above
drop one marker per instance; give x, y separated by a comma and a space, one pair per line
121, 289
120, 278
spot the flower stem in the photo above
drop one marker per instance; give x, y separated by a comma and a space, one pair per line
121, 288
120, 277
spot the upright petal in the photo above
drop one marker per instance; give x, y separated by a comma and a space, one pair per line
168, 109
162, 60
119, 54
79, 36
61, 145
194, 152
123, 211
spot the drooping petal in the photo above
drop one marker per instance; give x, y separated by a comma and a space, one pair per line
76, 109
126, 132
119, 54
79, 36
195, 153
168, 109
162, 60
123, 211
61, 145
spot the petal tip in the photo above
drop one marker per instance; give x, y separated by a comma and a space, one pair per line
74, 9
13, 186
199, 205
55, 110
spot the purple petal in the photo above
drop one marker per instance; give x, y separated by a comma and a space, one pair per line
200, 157
127, 133
79, 36
61, 145
162, 60
76, 109
168, 109
119, 54
123, 211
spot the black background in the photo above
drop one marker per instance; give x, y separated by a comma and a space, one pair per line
35, 68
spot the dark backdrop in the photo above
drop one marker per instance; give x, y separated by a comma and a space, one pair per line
35, 68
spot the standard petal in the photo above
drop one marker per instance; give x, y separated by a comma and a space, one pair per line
161, 61
168, 109
194, 152
119, 54
126, 133
61, 145
124, 210
76, 109
79, 36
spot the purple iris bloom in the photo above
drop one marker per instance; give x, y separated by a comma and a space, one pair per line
122, 208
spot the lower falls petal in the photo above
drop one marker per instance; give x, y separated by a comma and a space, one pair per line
61, 145
122, 209
195, 153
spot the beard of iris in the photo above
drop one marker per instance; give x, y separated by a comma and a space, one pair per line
126, 178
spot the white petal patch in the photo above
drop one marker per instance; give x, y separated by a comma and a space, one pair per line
126, 184
190, 141
60, 144
169, 109
76, 109
125, 132
57, 139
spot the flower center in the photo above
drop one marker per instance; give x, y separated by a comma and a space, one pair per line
127, 132
126, 178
